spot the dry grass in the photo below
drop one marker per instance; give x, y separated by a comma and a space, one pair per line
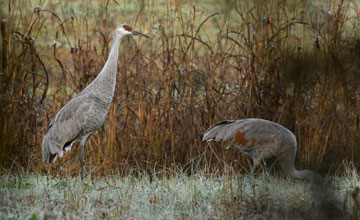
178, 196
205, 62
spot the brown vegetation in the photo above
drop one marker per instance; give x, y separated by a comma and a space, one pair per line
295, 63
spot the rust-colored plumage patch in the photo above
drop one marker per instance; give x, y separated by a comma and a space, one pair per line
240, 138
253, 141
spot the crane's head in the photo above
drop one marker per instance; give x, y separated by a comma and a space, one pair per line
125, 29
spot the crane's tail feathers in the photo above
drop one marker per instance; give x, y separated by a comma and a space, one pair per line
52, 158
50, 151
216, 131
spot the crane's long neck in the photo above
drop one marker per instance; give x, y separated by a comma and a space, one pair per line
104, 84
289, 169
293, 172
111, 63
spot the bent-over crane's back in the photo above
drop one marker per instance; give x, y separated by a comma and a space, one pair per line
261, 139
87, 111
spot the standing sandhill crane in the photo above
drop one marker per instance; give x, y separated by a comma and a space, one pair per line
86, 112
260, 139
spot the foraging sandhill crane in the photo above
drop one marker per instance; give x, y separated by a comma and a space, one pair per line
86, 112
260, 139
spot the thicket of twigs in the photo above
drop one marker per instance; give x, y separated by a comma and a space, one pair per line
292, 62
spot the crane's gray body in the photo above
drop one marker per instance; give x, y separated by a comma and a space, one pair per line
83, 114
76, 121
260, 139
87, 111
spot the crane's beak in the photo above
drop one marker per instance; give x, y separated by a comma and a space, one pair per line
139, 33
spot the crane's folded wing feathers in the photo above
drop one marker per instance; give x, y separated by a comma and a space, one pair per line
219, 131
64, 128
251, 127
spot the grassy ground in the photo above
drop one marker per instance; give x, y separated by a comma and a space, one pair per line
178, 196
292, 62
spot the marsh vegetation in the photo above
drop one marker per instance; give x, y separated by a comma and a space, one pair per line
292, 62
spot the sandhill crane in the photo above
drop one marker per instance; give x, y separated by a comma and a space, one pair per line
260, 139
86, 112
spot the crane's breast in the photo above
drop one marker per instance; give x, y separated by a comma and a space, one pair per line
95, 115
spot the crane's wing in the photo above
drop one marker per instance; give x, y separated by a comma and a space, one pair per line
220, 131
65, 128
245, 133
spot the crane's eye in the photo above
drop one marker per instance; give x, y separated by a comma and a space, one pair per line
127, 27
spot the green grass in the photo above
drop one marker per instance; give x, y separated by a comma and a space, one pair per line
180, 196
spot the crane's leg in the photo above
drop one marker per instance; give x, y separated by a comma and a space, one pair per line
256, 162
82, 156
265, 171
259, 161
264, 167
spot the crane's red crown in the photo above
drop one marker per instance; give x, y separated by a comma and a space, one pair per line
127, 27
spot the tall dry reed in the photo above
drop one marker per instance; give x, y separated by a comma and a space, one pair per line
294, 63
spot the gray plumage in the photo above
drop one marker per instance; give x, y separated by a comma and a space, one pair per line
87, 111
261, 139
